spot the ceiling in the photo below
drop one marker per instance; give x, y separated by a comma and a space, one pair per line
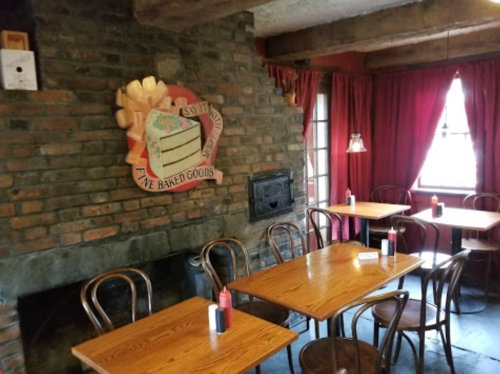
282, 16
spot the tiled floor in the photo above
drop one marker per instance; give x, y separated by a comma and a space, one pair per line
475, 339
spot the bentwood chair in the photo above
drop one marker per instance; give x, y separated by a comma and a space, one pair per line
388, 194
324, 220
228, 251
421, 316
482, 243
326, 355
406, 224
93, 307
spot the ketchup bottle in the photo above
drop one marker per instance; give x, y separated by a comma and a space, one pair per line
434, 206
225, 302
347, 194
392, 235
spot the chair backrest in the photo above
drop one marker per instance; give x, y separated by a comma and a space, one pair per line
445, 278
399, 298
233, 248
419, 226
391, 194
291, 234
482, 201
318, 217
101, 320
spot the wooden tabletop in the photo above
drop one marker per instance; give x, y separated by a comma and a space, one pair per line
318, 284
368, 210
178, 340
477, 220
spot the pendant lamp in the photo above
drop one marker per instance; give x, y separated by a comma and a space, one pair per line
356, 143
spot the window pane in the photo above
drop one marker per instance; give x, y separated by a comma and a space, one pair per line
322, 162
322, 134
322, 188
311, 191
310, 164
451, 162
321, 104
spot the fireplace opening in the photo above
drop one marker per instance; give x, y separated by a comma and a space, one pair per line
53, 321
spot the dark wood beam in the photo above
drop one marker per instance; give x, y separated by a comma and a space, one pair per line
178, 15
385, 28
478, 43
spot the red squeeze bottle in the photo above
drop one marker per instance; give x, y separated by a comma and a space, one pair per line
225, 302
434, 206
347, 194
392, 236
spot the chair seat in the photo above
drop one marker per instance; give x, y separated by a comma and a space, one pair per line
410, 319
480, 245
266, 311
316, 356
428, 256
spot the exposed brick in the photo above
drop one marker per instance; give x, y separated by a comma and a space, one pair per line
136, 215
67, 201
69, 214
157, 211
100, 135
11, 348
194, 213
238, 188
21, 109
71, 239
130, 226
56, 124
157, 200
159, 221
63, 175
65, 227
7, 210
232, 110
12, 362
101, 209
56, 149
35, 233
52, 96
37, 163
100, 233
179, 217
25, 151
242, 169
32, 220
10, 333
198, 194
36, 245
131, 205
127, 194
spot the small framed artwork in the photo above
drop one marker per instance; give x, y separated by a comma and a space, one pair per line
15, 40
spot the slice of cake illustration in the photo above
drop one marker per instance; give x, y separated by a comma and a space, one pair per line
174, 143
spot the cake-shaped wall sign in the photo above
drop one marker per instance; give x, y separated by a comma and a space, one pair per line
172, 135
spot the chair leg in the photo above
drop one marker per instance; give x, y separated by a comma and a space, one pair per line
488, 272
290, 358
401, 282
398, 348
342, 327
316, 329
376, 329
257, 369
447, 346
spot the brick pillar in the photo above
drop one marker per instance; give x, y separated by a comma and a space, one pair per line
11, 346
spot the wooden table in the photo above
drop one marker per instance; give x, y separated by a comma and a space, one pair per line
463, 219
367, 211
178, 340
318, 284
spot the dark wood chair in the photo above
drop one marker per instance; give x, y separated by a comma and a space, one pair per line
404, 224
388, 194
482, 243
286, 235
230, 250
421, 316
326, 355
92, 306
324, 218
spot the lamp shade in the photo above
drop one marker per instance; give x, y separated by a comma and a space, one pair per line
356, 143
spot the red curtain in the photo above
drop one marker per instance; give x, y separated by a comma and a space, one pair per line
351, 105
307, 90
481, 86
278, 73
408, 106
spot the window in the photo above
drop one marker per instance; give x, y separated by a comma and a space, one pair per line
450, 162
317, 152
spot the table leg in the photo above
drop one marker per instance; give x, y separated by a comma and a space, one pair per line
364, 234
468, 303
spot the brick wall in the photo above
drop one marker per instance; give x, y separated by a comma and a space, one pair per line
63, 179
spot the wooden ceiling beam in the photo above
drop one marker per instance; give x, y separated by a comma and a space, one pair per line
385, 28
478, 43
179, 15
